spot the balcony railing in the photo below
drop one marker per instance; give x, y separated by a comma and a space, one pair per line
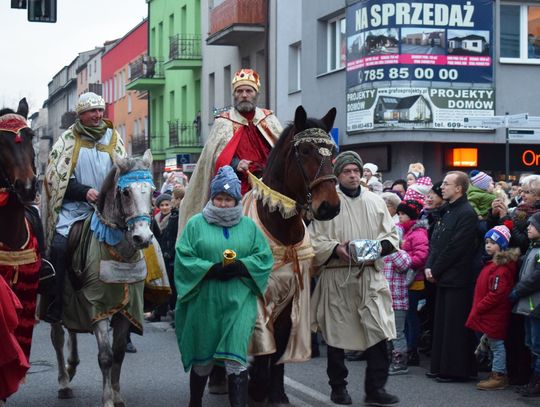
185, 46
146, 66
184, 134
139, 144
231, 12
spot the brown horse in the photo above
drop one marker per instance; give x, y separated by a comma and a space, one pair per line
19, 252
299, 168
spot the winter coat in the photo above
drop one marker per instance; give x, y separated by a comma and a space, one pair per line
416, 244
490, 313
527, 288
167, 237
453, 245
480, 200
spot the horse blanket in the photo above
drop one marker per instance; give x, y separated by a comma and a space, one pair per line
20, 269
288, 282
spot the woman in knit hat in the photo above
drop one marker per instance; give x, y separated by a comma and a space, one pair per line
222, 265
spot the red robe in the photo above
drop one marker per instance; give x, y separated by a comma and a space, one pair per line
246, 144
13, 361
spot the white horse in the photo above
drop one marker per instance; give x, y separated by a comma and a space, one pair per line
106, 278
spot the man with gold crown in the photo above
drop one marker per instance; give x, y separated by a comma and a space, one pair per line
79, 161
241, 137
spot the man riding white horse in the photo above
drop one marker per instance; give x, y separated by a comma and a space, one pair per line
78, 163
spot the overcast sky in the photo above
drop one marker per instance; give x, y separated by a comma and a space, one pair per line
34, 52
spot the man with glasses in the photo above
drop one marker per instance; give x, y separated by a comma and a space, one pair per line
450, 266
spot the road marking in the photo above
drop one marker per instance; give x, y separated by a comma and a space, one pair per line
314, 394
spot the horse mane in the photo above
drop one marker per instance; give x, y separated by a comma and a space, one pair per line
277, 159
6, 111
111, 180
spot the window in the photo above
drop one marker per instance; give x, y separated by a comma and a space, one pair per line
520, 33
335, 44
129, 103
295, 53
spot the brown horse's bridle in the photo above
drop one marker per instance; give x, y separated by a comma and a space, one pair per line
12, 123
314, 136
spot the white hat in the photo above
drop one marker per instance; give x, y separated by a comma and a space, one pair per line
372, 167
89, 101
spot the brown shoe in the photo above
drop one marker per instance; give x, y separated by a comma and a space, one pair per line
495, 381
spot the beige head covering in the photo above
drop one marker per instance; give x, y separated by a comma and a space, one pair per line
89, 101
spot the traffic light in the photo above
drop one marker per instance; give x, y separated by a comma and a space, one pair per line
18, 4
42, 11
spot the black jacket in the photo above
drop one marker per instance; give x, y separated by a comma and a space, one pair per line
167, 237
453, 245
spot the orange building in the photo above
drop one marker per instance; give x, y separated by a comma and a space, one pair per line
127, 109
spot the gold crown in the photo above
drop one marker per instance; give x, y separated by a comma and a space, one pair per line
246, 77
89, 101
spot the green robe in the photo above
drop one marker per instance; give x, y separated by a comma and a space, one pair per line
215, 319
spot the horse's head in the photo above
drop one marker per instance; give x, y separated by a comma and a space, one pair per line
17, 166
305, 152
131, 202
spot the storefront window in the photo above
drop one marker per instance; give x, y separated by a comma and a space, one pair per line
520, 33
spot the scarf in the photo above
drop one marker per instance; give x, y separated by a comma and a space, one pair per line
225, 217
162, 220
351, 193
94, 133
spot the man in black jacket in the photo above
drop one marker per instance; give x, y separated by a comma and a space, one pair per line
449, 266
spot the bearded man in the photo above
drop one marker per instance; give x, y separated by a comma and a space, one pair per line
242, 137
79, 161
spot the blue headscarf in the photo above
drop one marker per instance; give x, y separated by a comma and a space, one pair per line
226, 181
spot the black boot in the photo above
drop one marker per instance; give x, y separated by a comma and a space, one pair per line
277, 387
197, 385
218, 380
533, 388
238, 386
413, 358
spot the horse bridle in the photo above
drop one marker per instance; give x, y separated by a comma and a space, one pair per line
124, 182
12, 123
313, 136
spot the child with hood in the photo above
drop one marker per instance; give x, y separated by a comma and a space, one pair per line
490, 313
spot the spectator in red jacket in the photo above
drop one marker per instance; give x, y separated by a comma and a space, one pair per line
490, 313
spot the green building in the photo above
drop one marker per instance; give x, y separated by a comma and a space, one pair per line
170, 76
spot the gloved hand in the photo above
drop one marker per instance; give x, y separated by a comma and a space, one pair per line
235, 269
513, 297
215, 272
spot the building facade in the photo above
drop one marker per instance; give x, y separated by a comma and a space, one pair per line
171, 74
128, 109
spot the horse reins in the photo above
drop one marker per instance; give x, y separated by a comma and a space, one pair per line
313, 136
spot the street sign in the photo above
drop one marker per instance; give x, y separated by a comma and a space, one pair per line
495, 122
524, 135
188, 167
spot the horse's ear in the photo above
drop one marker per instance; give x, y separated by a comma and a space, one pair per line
147, 158
300, 117
121, 162
329, 118
23, 108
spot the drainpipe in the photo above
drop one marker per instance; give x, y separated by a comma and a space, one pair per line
267, 56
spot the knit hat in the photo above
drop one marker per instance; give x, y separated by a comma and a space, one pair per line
419, 190
371, 167
481, 180
411, 208
345, 158
226, 181
161, 198
89, 101
416, 170
246, 77
500, 235
437, 188
535, 220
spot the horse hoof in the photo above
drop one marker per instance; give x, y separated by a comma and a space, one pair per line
66, 393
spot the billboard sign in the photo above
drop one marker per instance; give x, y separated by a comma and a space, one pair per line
422, 65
